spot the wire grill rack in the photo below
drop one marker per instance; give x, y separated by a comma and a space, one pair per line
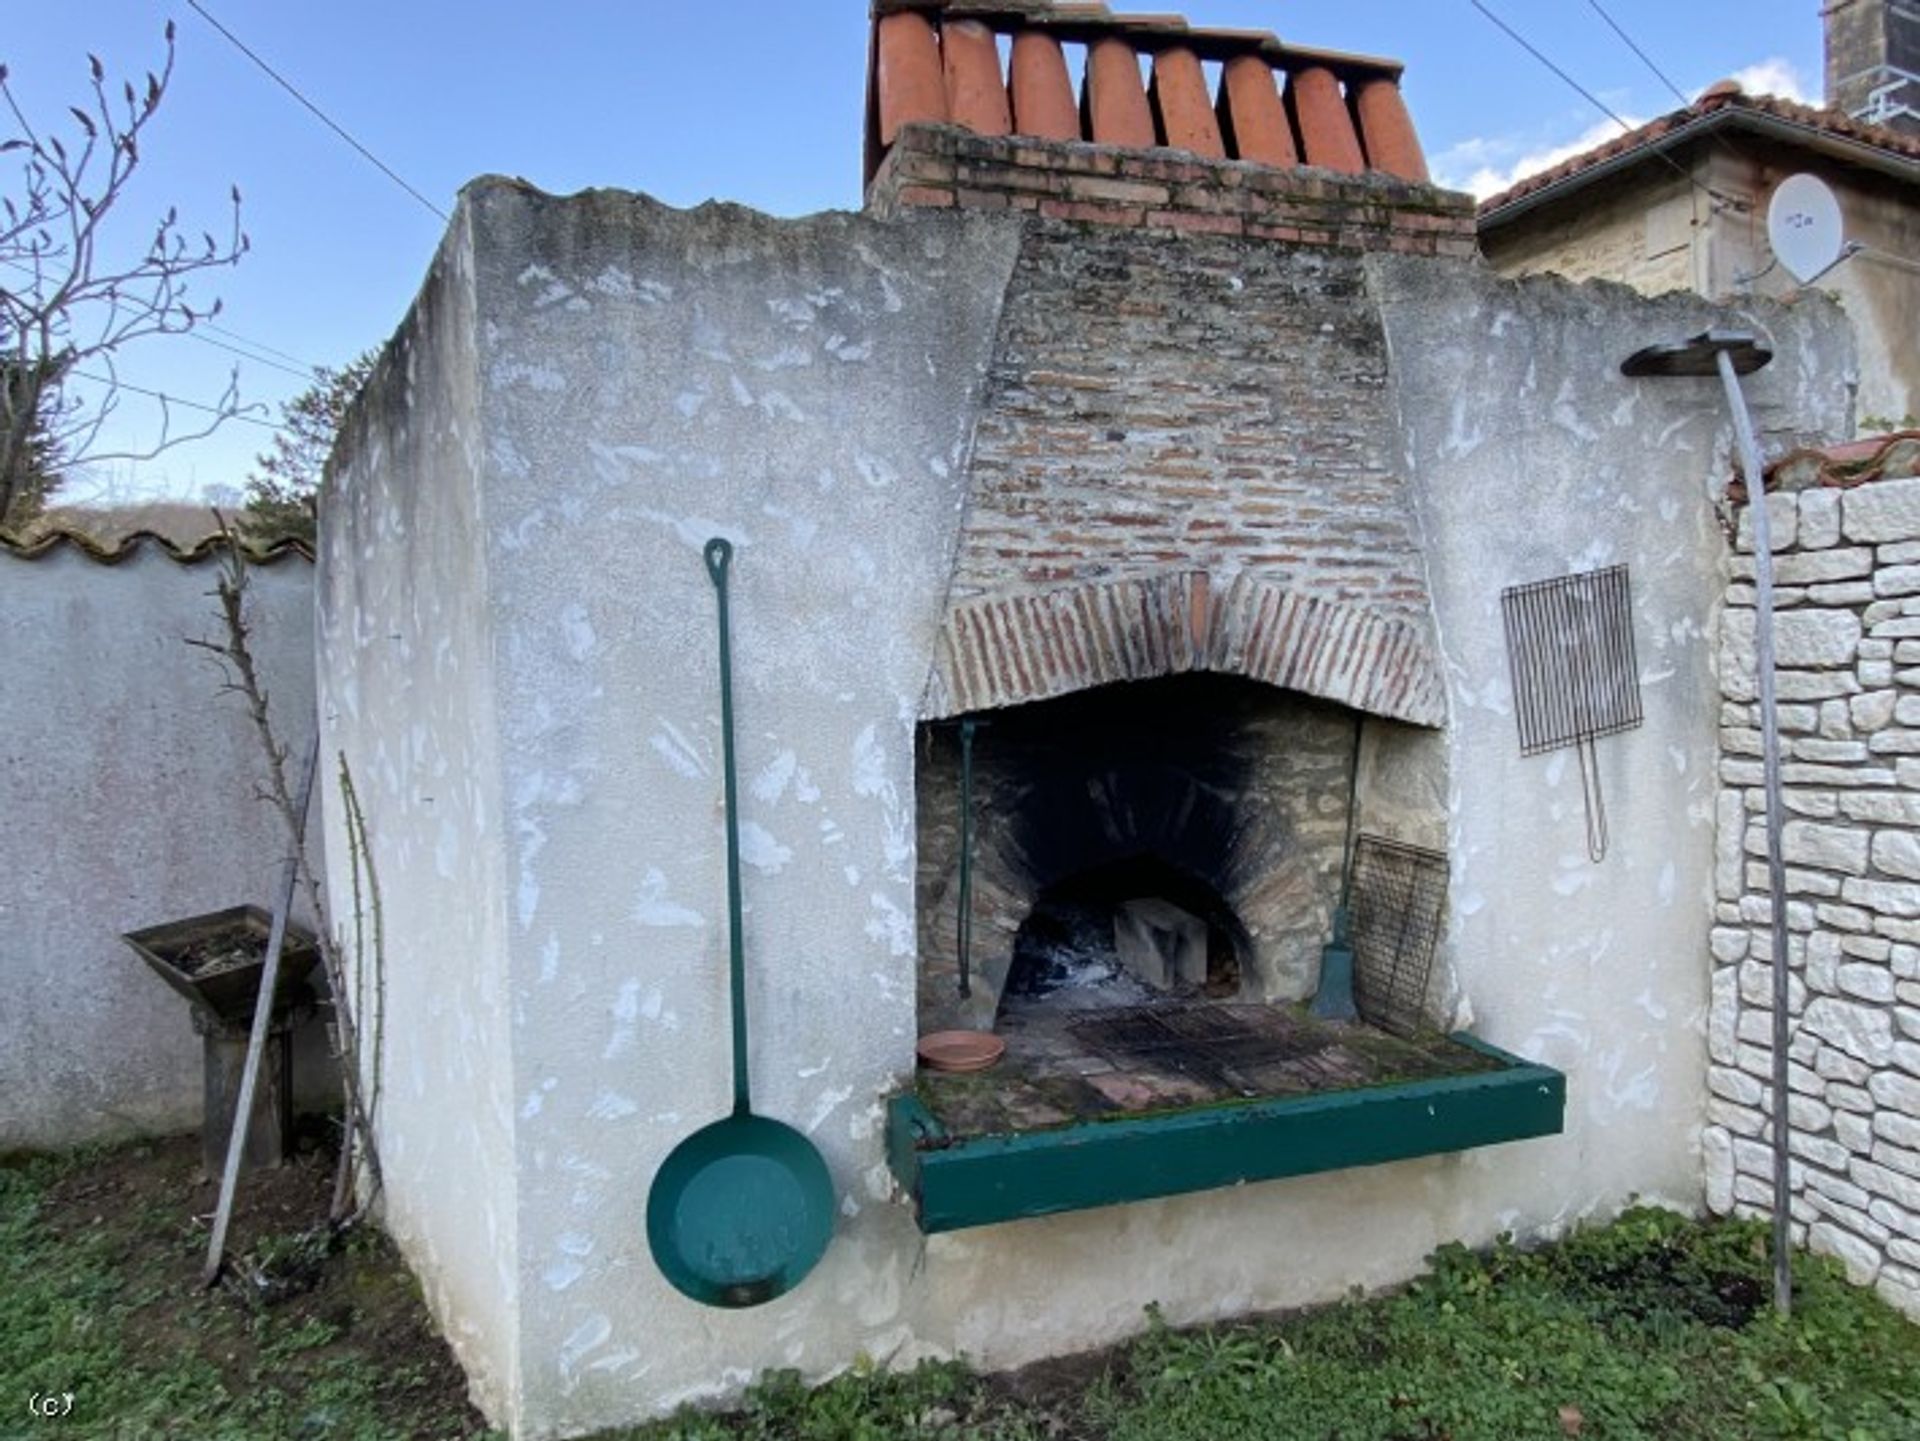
1399, 892
1570, 650
1207, 1042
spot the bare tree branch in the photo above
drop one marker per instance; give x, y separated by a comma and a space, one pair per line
234, 654
72, 296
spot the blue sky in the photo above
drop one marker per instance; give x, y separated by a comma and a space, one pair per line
757, 101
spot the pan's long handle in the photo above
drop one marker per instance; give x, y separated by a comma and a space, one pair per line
719, 555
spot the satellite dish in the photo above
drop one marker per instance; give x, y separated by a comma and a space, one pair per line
1803, 226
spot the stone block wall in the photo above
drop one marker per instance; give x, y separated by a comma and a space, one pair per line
1848, 655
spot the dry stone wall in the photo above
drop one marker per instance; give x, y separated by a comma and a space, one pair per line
1848, 654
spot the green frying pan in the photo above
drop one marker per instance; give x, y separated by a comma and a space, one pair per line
742, 1209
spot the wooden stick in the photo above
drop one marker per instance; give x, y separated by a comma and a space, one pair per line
257, 1041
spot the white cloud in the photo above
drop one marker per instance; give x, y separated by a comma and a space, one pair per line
1490, 177
1775, 77
1485, 165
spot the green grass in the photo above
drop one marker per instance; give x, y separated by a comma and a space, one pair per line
1651, 1327
98, 1298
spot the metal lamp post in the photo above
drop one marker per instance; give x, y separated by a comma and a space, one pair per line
1730, 355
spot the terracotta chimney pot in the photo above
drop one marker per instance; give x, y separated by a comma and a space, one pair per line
1116, 105
1326, 129
1387, 130
1043, 104
1251, 113
976, 96
910, 81
1182, 105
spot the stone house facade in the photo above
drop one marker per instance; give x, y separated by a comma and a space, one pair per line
1681, 204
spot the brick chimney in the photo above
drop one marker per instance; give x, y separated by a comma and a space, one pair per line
1873, 61
972, 103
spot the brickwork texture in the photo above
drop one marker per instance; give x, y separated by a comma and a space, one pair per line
1186, 459
1169, 192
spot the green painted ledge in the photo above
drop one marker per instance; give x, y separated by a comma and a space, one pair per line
957, 1182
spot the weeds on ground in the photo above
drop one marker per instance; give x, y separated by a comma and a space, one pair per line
1652, 1328
101, 1303
940, 1399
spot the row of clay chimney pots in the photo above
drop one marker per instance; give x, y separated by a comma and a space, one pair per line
952, 76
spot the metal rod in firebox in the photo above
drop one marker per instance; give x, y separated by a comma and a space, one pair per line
964, 938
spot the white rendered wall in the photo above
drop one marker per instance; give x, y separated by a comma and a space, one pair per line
644, 379
1534, 457
407, 703
127, 798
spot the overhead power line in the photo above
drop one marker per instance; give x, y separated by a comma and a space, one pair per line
306, 367
176, 400
303, 370
1514, 35
1645, 58
306, 375
319, 114
1626, 126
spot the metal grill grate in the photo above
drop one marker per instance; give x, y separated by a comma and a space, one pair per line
1209, 1043
1398, 894
1570, 650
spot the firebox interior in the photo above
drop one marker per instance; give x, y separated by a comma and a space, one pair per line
1127, 932
1199, 816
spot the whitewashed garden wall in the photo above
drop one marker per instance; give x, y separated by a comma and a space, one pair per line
1848, 630
127, 798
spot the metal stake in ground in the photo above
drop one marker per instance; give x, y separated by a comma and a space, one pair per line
257, 1041
1730, 355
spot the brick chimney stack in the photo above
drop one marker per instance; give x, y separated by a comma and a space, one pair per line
1873, 61
1172, 127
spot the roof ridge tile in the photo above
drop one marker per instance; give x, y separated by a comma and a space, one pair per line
59, 538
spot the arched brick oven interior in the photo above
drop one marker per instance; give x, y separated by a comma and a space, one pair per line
1235, 791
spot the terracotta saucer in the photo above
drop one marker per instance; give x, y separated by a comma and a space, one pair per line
960, 1050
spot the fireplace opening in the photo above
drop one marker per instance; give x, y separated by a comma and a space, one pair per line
1170, 840
1125, 934
1147, 873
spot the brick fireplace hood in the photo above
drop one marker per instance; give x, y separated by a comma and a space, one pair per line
1182, 460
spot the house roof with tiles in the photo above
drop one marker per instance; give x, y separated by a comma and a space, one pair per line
1722, 107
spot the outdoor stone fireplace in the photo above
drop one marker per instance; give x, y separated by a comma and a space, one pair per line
1171, 477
